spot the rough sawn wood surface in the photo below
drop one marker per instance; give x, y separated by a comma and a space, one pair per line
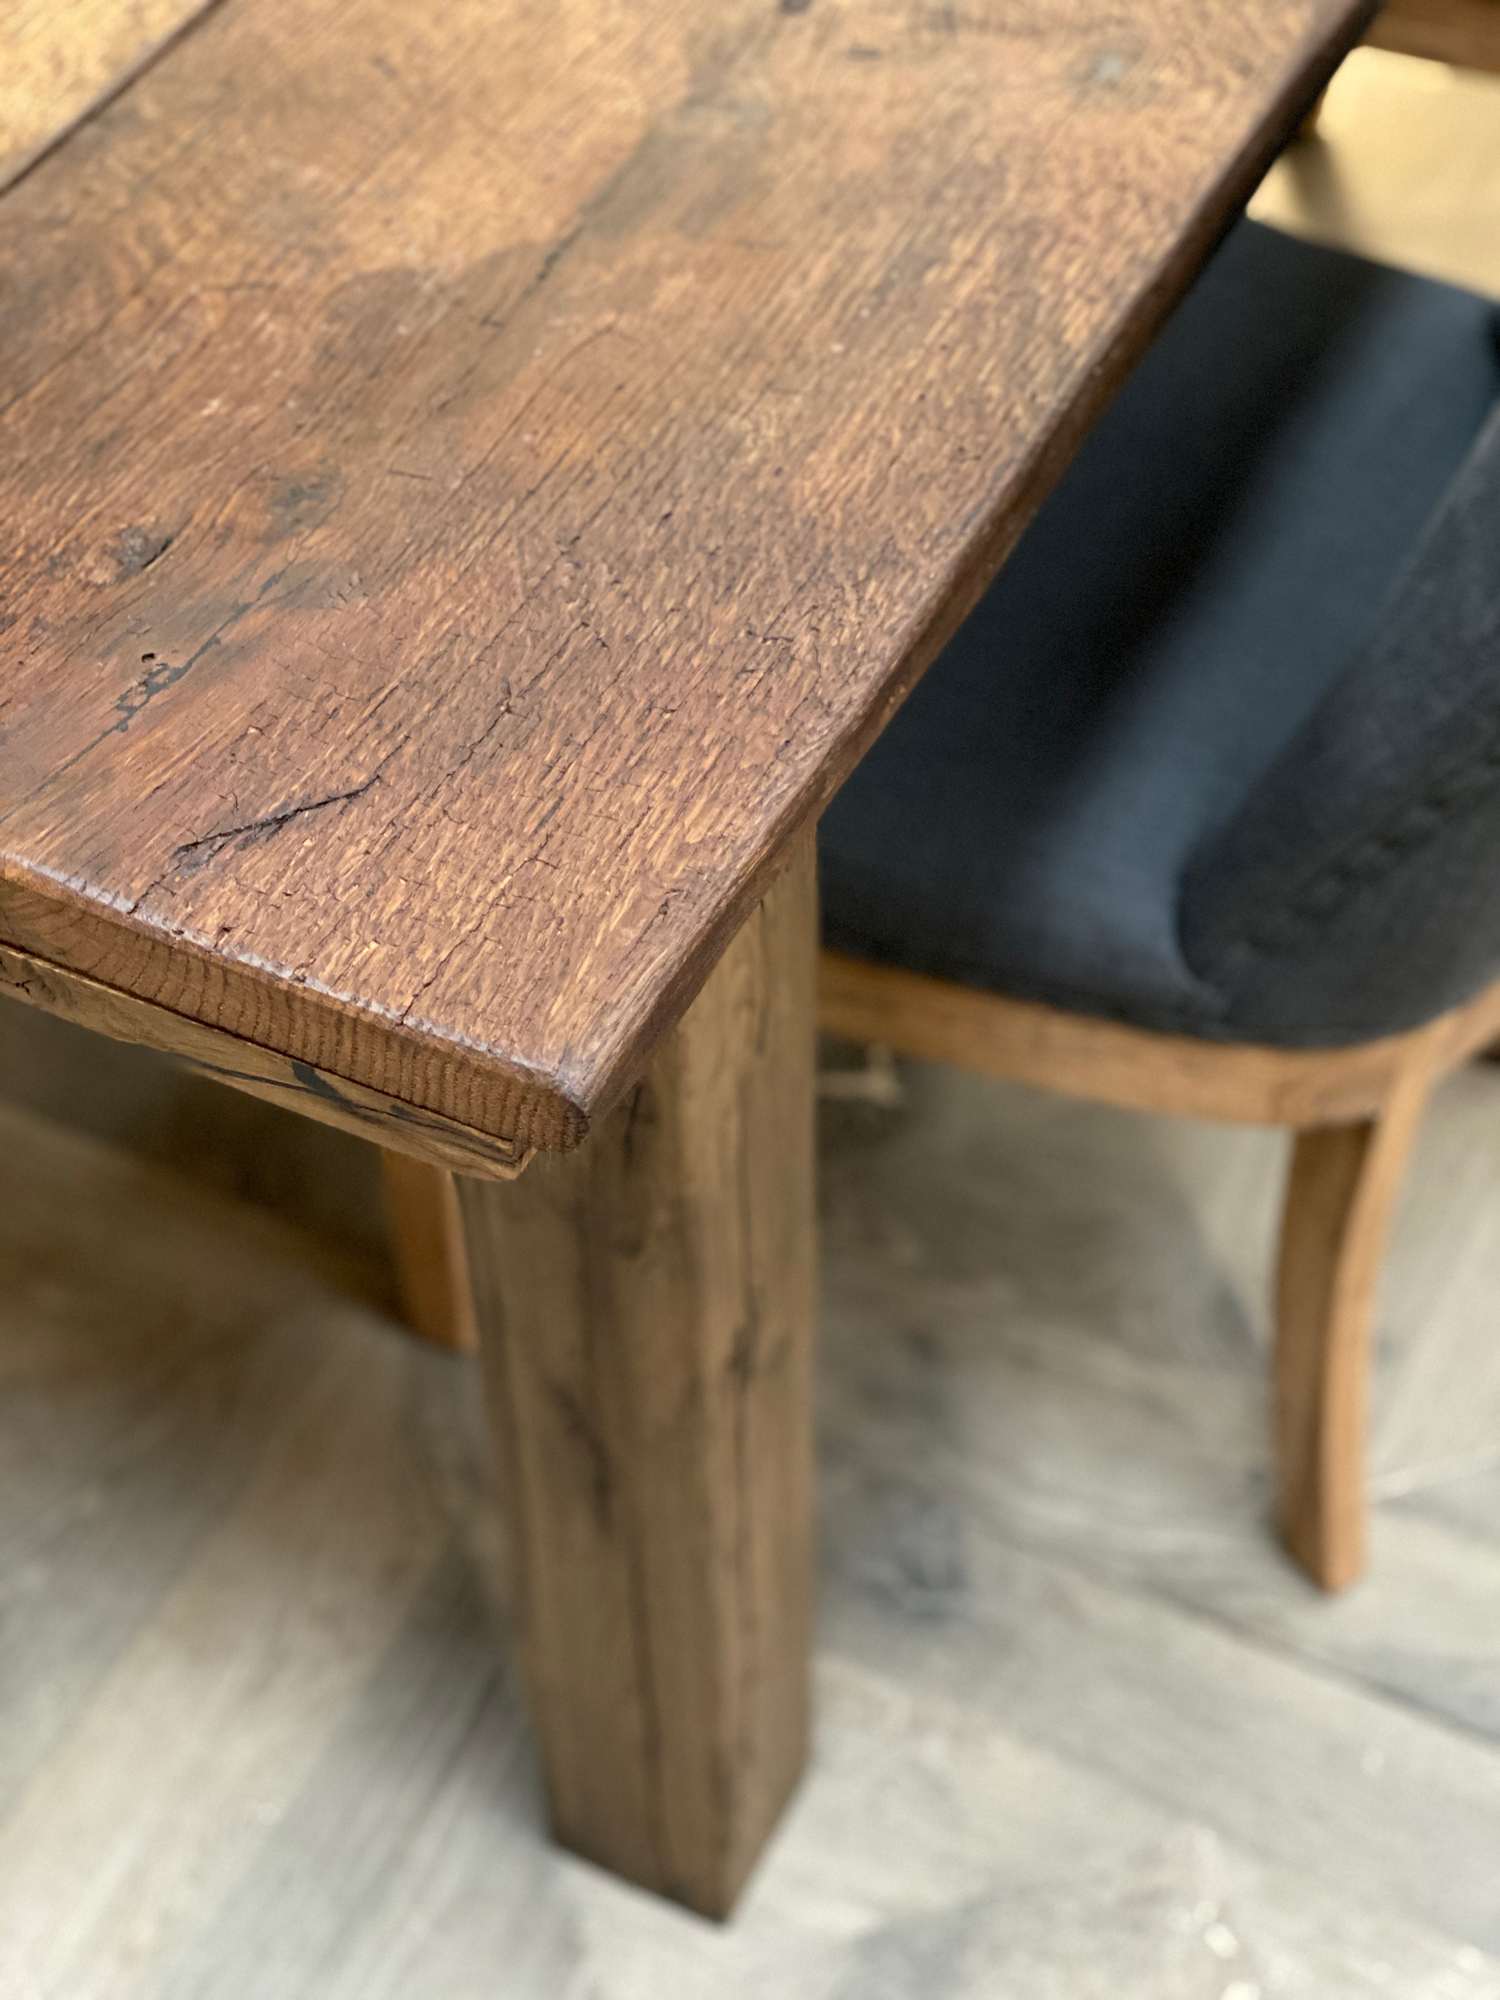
475, 480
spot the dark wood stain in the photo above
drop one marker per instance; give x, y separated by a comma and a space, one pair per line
475, 482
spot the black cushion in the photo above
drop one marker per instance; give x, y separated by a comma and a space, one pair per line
1218, 551
1357, 891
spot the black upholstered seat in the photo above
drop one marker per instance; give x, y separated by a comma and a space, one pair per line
1219, 752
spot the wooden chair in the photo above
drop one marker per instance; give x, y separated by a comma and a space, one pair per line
1200, 812
427, 1249
1355, 1112
1161, 717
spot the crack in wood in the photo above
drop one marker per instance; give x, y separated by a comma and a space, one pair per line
261, 829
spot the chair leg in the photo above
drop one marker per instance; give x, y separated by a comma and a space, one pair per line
1308, 127
1340, 1193
427, 1241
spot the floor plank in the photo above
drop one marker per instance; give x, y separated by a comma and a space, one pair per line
161, 1325
189, 1749
1080, 1730
1036, 1319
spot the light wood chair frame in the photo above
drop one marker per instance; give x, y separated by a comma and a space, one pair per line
1355, 1112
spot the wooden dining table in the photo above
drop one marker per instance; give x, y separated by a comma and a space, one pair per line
475, 479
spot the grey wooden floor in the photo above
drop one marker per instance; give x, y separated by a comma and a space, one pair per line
1080, 1730
1081, 1733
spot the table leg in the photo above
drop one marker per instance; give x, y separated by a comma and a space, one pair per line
427, 1248
646, 1310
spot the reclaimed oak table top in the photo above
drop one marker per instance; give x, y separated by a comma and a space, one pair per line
475, 479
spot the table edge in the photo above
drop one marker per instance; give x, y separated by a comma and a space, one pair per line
503, 1102
260, 1072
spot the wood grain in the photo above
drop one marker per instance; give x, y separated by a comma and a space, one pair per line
427, 1240
475, 480
646, 1310
297, 1086
61, 59
1111, 1708
1356, 1110
1135, 1067
1340, 1193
